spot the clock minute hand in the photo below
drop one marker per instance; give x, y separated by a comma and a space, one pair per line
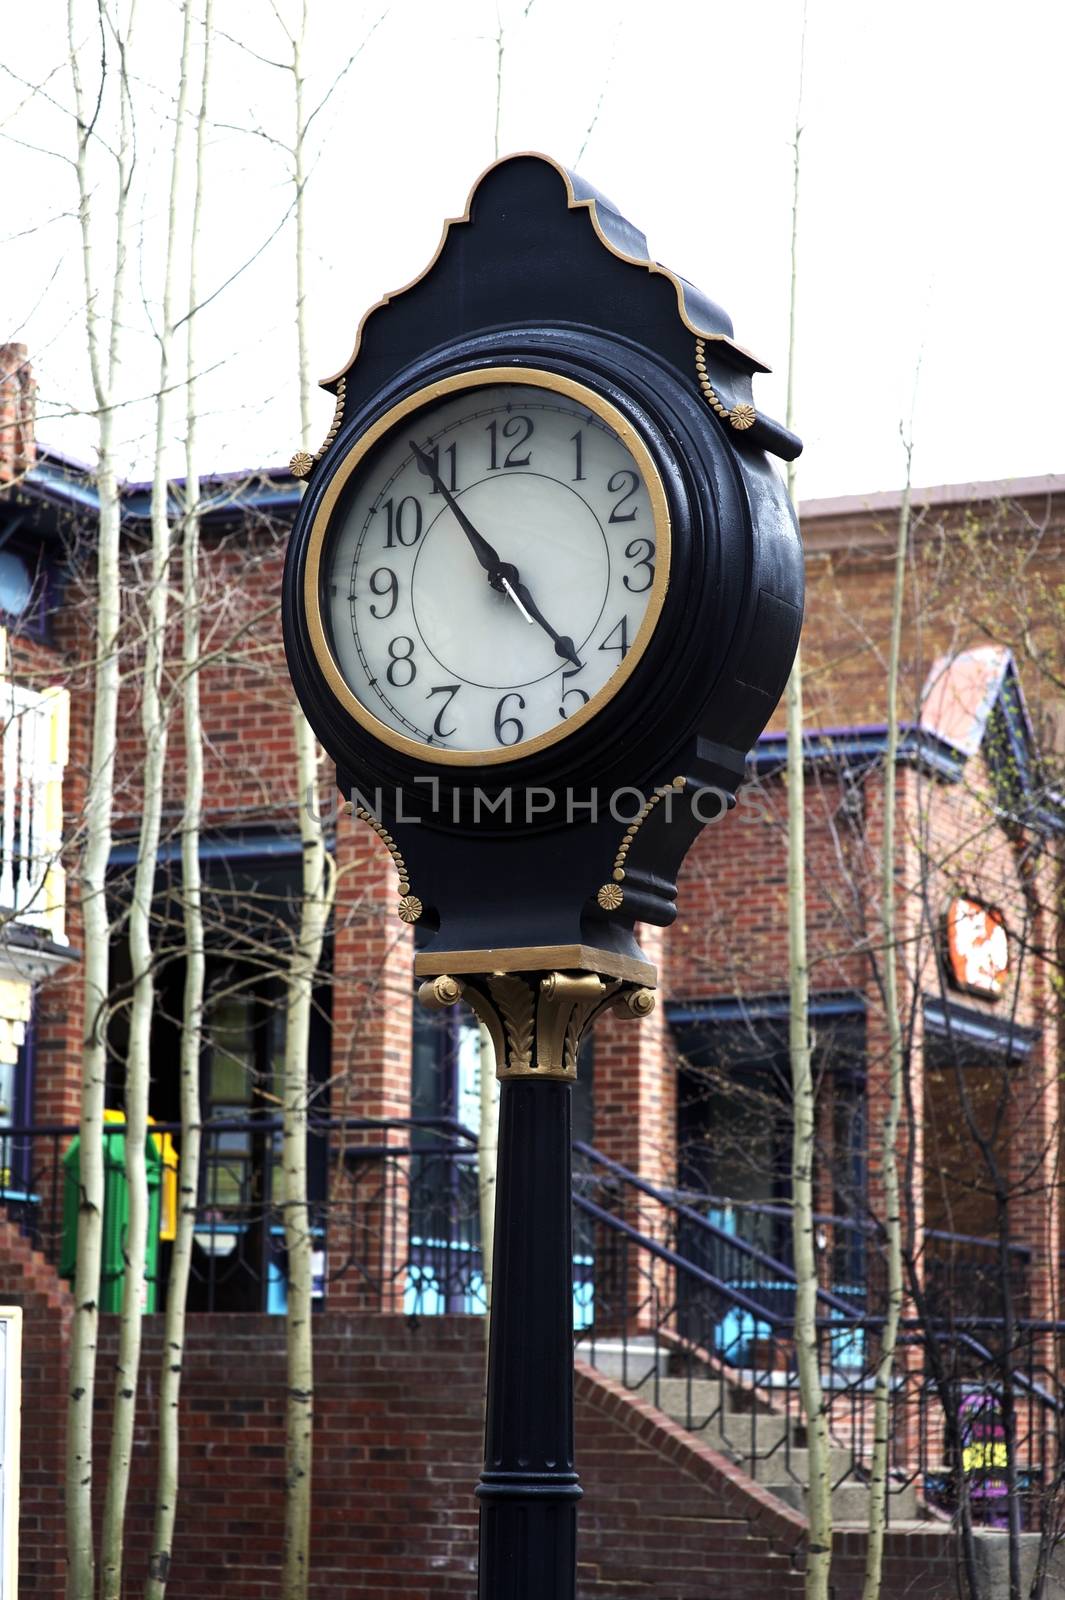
486, 555
502, 575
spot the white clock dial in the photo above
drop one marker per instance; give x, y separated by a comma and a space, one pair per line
496, 561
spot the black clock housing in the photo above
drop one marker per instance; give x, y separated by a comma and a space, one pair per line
542, 272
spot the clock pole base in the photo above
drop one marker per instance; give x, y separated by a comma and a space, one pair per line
529, 1487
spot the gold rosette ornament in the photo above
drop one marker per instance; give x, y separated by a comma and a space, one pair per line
410, 908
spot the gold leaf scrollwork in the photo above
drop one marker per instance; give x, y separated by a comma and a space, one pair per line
536, 1021
514, 998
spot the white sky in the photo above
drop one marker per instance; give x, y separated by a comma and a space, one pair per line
929, 227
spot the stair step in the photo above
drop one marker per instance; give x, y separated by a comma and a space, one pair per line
794, 1467
850, 1501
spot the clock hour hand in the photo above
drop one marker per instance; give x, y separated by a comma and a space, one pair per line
564, 646
486, 555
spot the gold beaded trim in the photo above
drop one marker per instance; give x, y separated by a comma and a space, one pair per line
611, 895
302, 462
410, 907
740, 417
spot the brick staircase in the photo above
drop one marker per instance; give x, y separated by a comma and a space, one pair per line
742, 1534
767, 1446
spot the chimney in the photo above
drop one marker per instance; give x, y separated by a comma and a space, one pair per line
18, 393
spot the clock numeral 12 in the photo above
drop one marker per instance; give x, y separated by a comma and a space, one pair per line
520, 430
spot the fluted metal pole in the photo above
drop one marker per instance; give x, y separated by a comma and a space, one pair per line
529, 1488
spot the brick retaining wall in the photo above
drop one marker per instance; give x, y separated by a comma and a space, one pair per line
398, 1442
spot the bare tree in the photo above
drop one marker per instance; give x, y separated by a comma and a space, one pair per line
892, 1219
804, 1114
104, 340
167, 1483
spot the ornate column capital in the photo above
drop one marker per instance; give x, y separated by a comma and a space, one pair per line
536, 1020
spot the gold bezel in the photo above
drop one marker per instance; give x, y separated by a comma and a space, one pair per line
536, 378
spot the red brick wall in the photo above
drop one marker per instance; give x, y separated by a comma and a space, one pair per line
397, 1453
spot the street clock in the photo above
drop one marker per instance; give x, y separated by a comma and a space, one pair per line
545, 588
541, 597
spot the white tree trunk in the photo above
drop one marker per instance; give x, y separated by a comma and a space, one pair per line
103, 338
317, 896
804, 1107
487, 1156
318, 883
896, 1066
168, 1473
154, 727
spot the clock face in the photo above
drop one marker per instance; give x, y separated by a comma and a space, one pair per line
489, 564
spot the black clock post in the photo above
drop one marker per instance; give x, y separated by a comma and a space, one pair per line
542, 594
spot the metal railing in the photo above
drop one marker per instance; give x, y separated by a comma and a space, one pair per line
669, 1299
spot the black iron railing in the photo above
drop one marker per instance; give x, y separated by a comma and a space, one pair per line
672, 1297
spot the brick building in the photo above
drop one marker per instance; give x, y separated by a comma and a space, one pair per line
682, 1248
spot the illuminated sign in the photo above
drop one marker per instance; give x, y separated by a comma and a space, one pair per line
978, 953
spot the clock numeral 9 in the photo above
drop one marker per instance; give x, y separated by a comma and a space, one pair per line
642, 551
399, 658
626, 484
391, 589
520, 430
509, 722
403, 522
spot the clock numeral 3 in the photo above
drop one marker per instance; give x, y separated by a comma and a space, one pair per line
502, 722
642, 551
400, 659
403, 522
391, 588
451, 690
616, 484
520, 430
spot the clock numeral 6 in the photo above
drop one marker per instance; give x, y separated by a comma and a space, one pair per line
400, 652
642, 551
624, 483
567, 693
403, 521
503, 722
391, 589
520, 430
